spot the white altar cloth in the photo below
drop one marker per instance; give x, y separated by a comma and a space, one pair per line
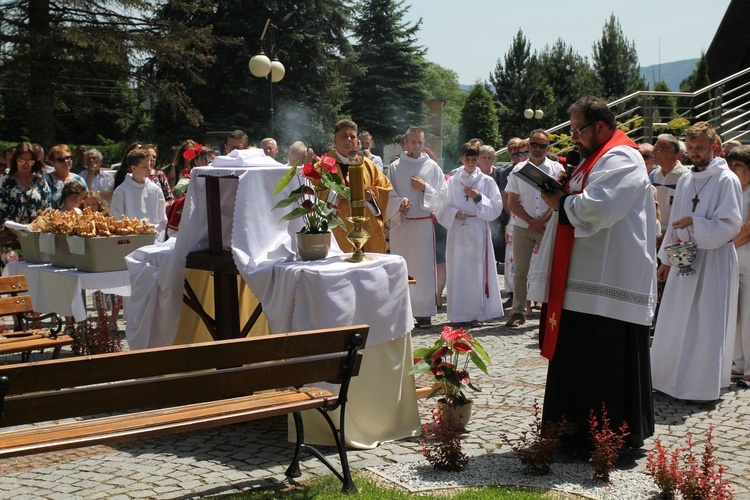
58, 290
295, 296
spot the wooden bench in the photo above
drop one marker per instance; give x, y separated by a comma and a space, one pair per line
175, 389
23, 338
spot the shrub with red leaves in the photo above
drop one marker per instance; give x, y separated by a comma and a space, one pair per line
441, 445
606, 444
536, 447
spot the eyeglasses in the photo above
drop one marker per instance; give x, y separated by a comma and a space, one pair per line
540, 145
61, 159
648, 157
21, 161
666, 150
521, 153
578, 130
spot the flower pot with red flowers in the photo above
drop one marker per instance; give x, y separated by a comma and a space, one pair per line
448, 362
319, 215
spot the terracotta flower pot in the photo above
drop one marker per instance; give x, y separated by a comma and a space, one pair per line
313, 246
457, 416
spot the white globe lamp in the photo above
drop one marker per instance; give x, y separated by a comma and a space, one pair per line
260, 65
538, 114
528, 114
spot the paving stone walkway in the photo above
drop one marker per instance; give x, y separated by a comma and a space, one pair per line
245, 456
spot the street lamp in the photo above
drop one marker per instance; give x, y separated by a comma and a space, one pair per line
262, 67
530, 113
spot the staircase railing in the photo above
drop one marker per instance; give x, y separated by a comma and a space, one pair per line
725, 107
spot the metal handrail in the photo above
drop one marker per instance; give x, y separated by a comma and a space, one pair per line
716, 107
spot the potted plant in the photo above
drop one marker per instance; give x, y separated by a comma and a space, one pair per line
318, 214
448, 362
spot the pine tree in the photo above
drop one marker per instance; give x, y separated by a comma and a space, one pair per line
519, 84
569, 77
309, 37
479, 117
77, 60
389, 95
616, 62
665, 108
696, 80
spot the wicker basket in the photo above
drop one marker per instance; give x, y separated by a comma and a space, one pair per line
103, 254
30, 247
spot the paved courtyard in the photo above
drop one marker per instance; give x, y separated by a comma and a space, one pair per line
252, 455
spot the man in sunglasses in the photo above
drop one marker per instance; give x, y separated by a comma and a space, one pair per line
647, 153
599, 259
530, 215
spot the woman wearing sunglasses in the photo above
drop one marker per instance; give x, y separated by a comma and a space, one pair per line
61, 159
24, 193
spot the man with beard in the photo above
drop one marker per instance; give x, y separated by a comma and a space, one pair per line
695, 330
418, 184
377, 190
599, 259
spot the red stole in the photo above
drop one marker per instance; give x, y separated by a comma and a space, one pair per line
564, 247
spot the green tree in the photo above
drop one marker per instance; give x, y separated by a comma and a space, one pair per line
310, 39
479, 117
519, 84
696, 80
443, 84
568, 76
665, 107
75, 59
616, 62
389, 95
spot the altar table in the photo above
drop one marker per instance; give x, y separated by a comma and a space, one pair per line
58, 290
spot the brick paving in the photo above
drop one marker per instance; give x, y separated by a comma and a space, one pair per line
253, 455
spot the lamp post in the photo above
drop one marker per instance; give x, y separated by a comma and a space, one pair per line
262, 67
530, 113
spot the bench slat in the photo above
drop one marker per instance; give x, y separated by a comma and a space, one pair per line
170, 391
105, 368
13, 284
161, 422
34, 343
15, 305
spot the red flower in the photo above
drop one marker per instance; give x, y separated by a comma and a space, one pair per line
308, 205
329, 164
309, 171
462, 346
451, 335
463, 377
191, 153
442, 352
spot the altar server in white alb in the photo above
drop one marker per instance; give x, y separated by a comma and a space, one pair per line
418, 186
691, 356
472, 200
138, 197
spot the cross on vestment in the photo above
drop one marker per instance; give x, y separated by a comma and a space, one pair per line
552, 321
695, 202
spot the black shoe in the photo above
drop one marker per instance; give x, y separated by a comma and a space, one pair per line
423, 322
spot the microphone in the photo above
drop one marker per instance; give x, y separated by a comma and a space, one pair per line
573, 158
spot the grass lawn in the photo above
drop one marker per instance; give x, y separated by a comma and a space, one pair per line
329, 487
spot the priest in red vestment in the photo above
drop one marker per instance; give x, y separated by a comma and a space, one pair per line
601, 266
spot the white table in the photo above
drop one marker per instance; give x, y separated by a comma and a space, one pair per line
53, 289
382, 403
295, 296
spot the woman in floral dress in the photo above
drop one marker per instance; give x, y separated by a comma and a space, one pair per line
24, 193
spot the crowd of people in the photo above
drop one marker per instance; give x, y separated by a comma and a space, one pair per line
592, 256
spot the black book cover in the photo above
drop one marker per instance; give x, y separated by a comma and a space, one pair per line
536, 178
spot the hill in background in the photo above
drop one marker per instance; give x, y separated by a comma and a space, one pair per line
672, 73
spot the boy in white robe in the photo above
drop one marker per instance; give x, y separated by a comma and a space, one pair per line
418, 184
691, 355
472, 200
138, 197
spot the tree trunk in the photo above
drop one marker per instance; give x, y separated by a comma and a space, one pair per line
41, 85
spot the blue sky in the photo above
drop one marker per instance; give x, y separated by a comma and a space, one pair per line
470, 36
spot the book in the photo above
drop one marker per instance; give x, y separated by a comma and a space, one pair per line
536, 178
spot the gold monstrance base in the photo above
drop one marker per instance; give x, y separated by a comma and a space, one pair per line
358, 236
